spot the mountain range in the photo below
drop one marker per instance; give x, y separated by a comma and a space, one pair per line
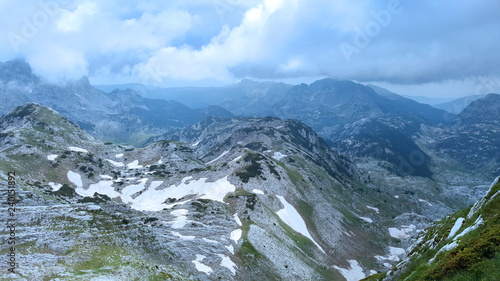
328, 181
121, 115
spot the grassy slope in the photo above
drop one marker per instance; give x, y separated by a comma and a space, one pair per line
477, 256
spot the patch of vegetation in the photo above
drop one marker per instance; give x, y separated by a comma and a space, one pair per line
251, 201
274, 171
149, 219
293, 175
256, 146
375, 277
97, 198
65, 191
253, 170
477, 256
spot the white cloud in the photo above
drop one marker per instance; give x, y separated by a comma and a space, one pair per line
225, 40
59, 63
242, 44
72, 21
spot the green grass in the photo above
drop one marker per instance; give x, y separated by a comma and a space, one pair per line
477, 256
293, 175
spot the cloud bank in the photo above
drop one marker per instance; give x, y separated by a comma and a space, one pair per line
157, 42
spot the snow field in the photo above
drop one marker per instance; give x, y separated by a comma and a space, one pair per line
292, 218
354, 273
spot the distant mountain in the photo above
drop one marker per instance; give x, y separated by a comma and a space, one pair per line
358, 121
385, 93
247, 98
428, 100
473, 139
456, 106
17, 71
121, 115
365, 122
327, 105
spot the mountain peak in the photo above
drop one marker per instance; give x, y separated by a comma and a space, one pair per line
32, 112
17, 70
37, 124
484, 109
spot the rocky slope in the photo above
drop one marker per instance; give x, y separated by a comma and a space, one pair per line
232, 198
462, 246
472, 139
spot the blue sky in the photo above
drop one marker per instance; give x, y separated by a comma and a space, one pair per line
426, 48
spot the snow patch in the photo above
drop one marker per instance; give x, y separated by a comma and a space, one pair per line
180, 218
354, 273
368, 220
396, 251
236, 235
209, 241
479, 203
373, 208
403, 232
201, 267
258, 191
154, 200
182, 237
52, 157
456, 227
130, 190
278, 156
75, 178
119, 155
479, 221
228, 263
134, 165
237, 219
116, 164
230, 248
292, 218
425, 201
106, 177
220, 156
77, 149
394, 254
445, 248
55, 186
102, 187
236, 159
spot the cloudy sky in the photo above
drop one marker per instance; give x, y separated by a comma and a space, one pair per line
425, 47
